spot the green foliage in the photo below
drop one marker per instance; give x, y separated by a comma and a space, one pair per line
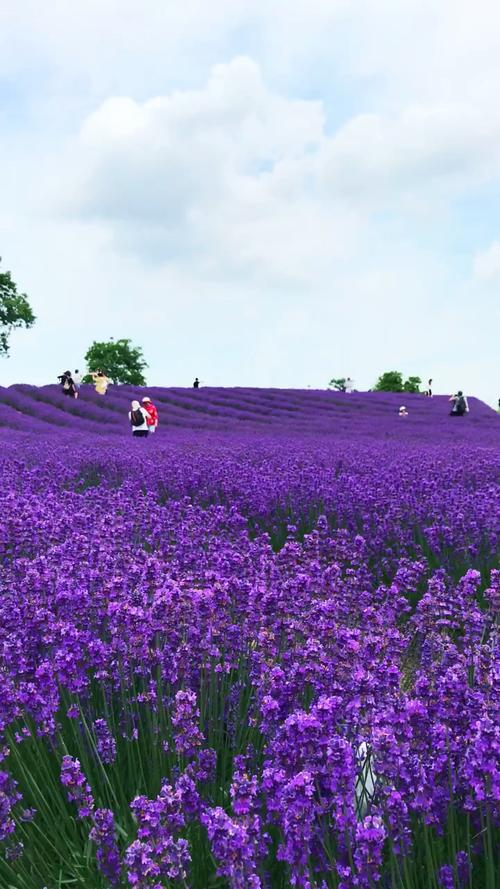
338, 384
15, 310
412, 384
390, 381
119, 360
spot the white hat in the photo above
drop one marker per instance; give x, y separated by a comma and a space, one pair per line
146, 398
135, 405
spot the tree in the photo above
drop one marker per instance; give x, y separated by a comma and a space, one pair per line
390, 381
338, 384
119, 360
15, 310
412, 384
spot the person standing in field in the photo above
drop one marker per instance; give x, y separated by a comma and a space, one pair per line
460, 404
77, 380
152, 413
101, 382
429, 389
196, 384
402, 411
349, 385
138, 417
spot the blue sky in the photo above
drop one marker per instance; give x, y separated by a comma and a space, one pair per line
258, 193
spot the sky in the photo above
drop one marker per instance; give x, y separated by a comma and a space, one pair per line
257, 192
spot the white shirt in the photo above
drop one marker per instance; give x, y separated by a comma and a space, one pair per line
77, 379
144, 425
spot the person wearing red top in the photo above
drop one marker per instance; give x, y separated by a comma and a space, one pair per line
152, 413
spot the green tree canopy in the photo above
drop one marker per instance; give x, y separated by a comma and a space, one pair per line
338, 384
412, 384
392, 381
119, 360
15, 310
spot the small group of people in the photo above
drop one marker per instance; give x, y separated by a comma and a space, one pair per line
460, 405
143, 417
71, 382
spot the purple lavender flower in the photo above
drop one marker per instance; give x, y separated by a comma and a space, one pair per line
77, 787
204, 767
446, 873
149, 864
369, 844
482, 764
9, 796
158, 853
105, 742
190, 799
233, 847
188, 737
165, 811
103, 835
446, 877
244, 789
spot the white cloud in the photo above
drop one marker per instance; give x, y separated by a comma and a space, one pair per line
223, 176
236, 180
448, 147
487, 263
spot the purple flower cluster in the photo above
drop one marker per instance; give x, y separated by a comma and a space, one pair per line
105, 743
9, 796
159, 853
77, 787
103, 835
185, 717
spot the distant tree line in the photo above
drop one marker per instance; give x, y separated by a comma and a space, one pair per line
390, 381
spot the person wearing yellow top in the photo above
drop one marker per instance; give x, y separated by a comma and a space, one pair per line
101, 382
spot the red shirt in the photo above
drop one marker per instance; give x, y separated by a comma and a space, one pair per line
152, 413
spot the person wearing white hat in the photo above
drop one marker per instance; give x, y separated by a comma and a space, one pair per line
152, 413
138, 420
402, 411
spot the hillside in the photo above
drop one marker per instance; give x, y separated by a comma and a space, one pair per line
273, 618
45, 410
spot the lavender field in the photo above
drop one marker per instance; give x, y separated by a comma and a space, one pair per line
257, 650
